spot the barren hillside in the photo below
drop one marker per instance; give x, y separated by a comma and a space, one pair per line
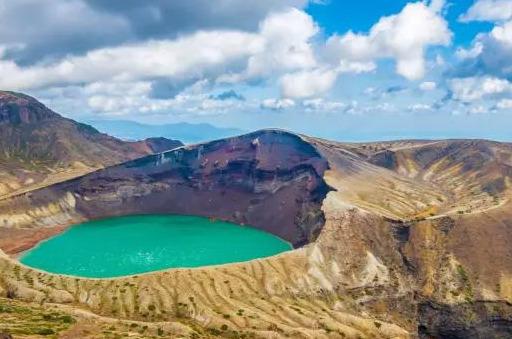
39, 147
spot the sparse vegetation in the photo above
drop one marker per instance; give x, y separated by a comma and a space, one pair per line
23, 320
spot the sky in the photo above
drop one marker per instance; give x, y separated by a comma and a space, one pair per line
344, 70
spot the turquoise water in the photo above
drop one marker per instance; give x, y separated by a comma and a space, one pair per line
137, 244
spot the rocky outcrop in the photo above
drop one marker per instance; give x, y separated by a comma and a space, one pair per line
481, 319
16, 109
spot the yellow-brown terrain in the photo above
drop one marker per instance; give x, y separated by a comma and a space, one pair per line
392, 240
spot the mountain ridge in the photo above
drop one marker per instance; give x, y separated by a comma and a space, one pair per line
38, 145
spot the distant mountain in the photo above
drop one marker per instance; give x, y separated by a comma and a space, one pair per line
188, 133
39, 146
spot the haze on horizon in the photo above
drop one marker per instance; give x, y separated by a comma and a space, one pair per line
369, 70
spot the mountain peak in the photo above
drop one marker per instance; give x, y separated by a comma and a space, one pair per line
17, 108
39, 146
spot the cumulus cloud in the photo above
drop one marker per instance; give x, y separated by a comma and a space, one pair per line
322, 105
403, 37
153, 56
504, 104
51, 29
307, 84
475, 88
281, 45
277, 104
286, 37
478, 109
120, 98
420, 107
190, 56
428, 86
488, 10
437, 5
469, 53
490, 53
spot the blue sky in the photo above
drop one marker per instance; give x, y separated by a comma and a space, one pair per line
360, 16
347, 70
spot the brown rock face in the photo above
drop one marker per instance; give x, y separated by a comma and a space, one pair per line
18, 108
271, 180
39, 147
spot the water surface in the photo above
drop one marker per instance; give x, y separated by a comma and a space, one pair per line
137, 244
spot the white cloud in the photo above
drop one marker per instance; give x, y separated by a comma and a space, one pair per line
121, 79
120, 99
490, 53
281, 45
420, 107
403, 37
437, 5
370, 90
503, 34
190, 56
479, 109
476, 88
345, 66
428, 86
504, 104
120, 89
307, 84
286, 38
495, 86
470, 53
52, 29
488, 10
382, 107
277, 104
123, 98
319, 104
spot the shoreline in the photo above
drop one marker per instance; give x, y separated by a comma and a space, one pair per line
15, 242
293, 251
29, 238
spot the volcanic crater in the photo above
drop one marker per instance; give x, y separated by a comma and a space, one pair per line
390, 238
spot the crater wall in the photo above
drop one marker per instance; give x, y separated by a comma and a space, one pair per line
271, 180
